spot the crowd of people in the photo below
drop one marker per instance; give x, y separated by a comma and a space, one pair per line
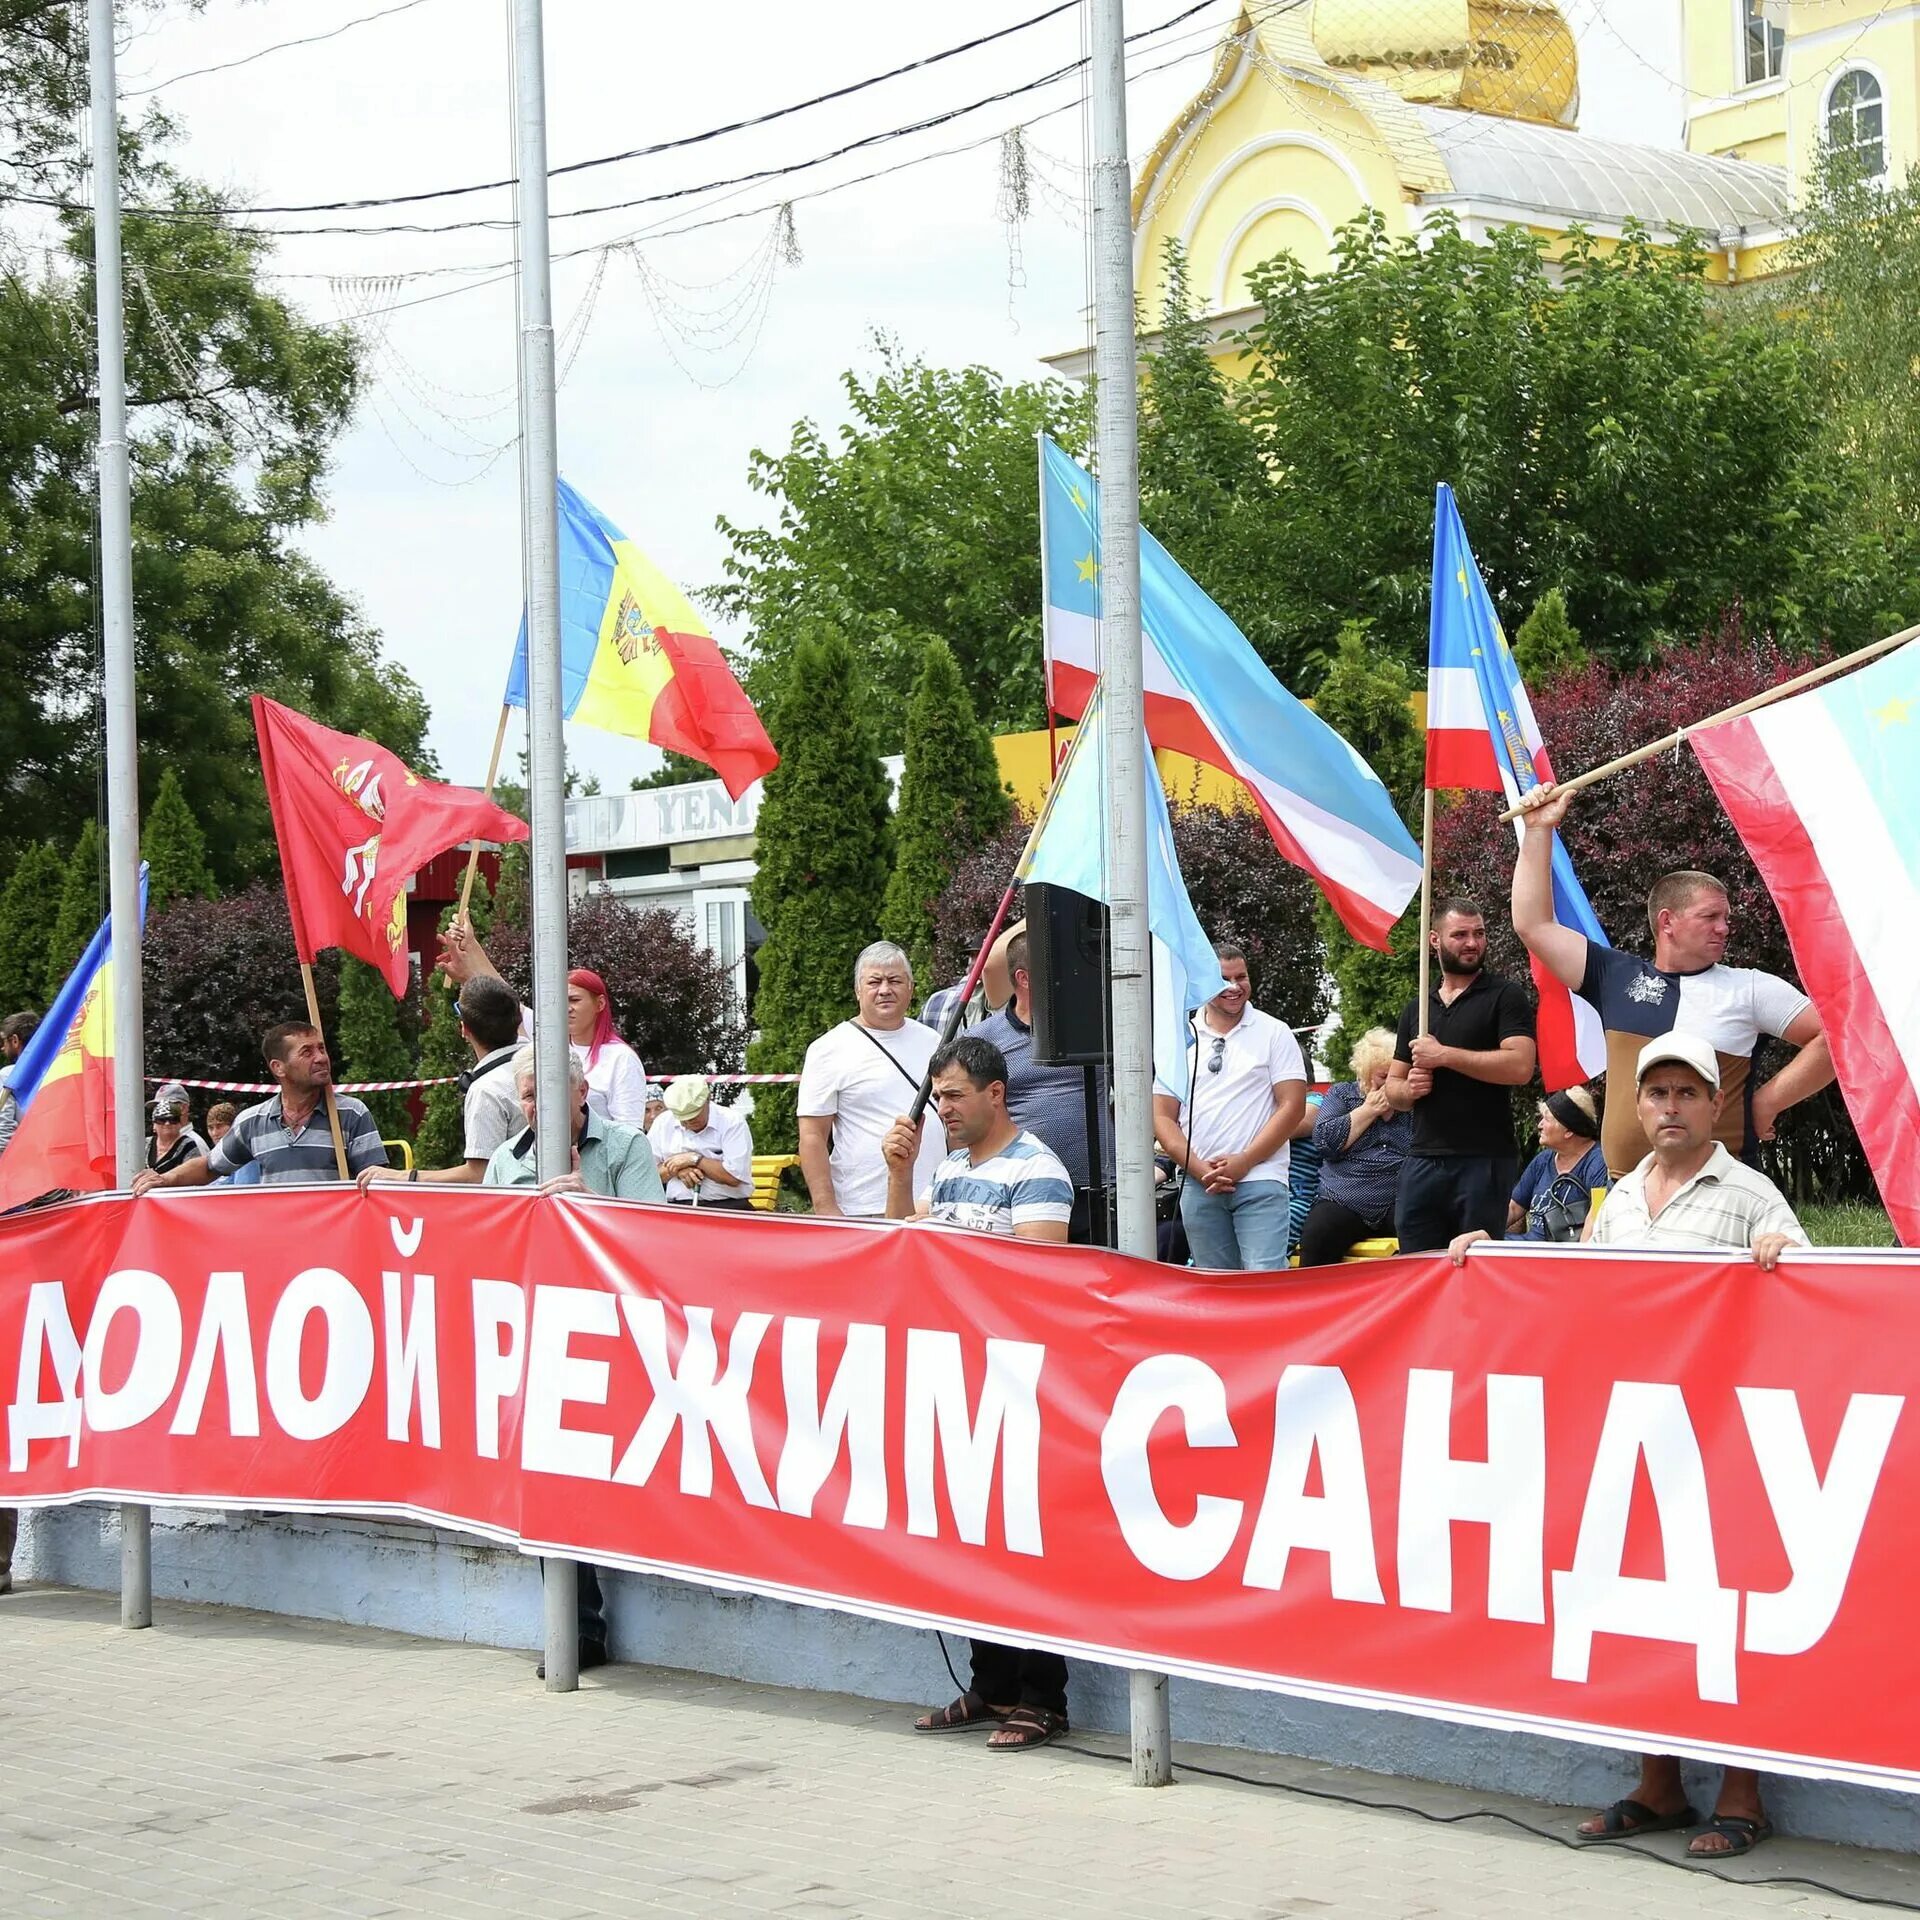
1416, 1148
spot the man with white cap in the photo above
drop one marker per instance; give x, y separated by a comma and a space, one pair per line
704, 1152
1689, 1192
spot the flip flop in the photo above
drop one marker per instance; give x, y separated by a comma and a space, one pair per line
1626, 1818
1741, 1835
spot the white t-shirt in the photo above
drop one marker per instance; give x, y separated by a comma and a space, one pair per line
863, 1080
616, 1082
1231, 1105
726, 1138
492, 1111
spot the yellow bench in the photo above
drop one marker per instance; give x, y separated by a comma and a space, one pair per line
400, 1154
767, 1169
1371, 1250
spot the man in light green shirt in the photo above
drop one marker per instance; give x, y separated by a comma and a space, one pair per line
607, 1157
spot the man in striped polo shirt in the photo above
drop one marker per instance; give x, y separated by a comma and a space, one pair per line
995, 1179
287, 1136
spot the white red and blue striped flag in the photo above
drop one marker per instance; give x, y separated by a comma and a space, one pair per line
1481, 735
1825, 791
1209, 695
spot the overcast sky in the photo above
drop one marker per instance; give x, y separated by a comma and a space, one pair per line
722, 345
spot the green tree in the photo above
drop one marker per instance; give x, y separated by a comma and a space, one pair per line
919, 524
1615, 430
442, 1139
174, 848
28, 910
825, 848
1855, 302
1546, 644
235, 401
377, 1037
1365, 698
951, 800
83, 905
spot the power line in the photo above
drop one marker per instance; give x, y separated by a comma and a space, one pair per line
638, 153
279, 46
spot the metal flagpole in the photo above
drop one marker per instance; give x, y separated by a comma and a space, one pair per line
1124, 715
546, 743
123, 755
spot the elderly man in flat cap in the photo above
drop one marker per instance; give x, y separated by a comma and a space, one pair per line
704, 1152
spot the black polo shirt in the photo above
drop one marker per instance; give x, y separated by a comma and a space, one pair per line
1462, 1116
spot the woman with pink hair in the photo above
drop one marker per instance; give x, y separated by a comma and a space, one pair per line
616, 1081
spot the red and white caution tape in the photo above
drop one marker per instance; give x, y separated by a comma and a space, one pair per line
734, 1079
267, 1086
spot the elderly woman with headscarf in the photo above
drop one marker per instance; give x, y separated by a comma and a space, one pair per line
1556, 1190
616, 1081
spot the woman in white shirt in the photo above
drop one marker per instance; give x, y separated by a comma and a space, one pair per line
616, 1081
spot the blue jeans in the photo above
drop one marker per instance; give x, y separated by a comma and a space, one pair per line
1242, 1231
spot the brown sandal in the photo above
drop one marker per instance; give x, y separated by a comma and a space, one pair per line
959, 1715
1027, 1727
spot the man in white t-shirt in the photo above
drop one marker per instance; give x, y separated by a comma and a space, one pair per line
1228, 1129
1684, 988
856, 1079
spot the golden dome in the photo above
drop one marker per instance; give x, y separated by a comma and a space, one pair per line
1514, 58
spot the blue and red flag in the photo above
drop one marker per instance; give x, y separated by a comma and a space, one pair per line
1481, 735
1209, 695
63, 1085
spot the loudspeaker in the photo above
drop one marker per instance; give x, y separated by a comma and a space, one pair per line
1072, 996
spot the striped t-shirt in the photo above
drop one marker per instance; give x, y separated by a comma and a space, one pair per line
261, 1135
1022, 1185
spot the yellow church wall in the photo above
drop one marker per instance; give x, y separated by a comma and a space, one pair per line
1824, 42
1276, 164
1711, 48
1744, 128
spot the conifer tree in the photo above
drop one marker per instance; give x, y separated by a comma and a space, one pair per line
442, 1141
1547, 645
82, 907
174, 849
28, 909
825, 846
373, 1045
951, 800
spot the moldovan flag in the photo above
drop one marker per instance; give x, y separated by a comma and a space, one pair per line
63, 1085
354, 826
1825, 791
636, 659
1481, 735
1209, 695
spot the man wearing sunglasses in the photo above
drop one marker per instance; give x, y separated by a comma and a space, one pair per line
1227, 1130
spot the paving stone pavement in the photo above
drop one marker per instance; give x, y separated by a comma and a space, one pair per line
231, 1764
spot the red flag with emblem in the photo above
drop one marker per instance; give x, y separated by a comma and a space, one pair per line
355, 824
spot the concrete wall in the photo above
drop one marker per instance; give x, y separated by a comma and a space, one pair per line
447, 1586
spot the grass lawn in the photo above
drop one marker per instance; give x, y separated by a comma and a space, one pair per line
1850, 1223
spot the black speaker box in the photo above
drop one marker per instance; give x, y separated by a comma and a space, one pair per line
1067, 968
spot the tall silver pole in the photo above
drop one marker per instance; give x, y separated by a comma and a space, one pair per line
123, 746
546, 742
1118, 430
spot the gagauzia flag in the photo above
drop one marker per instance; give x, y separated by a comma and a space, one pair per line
636, 658
1481, 735
1070, 850
355, 824
63, 1085
1825, 791
1209, 695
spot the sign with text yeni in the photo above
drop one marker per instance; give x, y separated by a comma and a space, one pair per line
1462, 1493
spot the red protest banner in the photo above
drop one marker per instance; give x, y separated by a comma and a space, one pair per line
355, 824
1676, 1524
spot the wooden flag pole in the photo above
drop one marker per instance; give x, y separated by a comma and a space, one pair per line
462, 918
333, 1112
1426, 904
1783, 691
